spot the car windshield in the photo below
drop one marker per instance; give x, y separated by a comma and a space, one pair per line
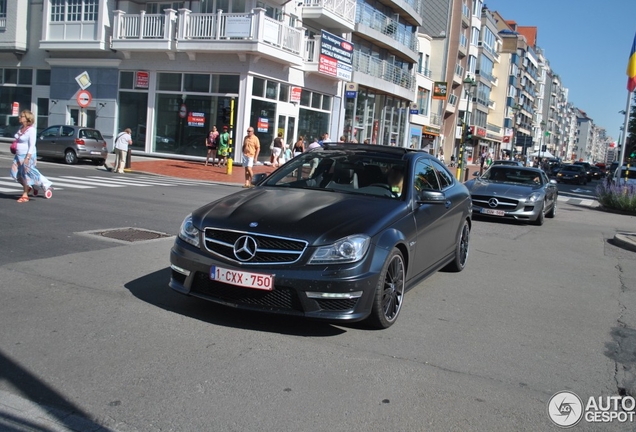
365, 173
508, 174
631, 175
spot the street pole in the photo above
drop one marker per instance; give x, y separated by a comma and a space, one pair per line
468, 84
624, 144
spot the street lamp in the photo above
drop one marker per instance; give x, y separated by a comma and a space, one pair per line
469, 84
541, 141
513, 142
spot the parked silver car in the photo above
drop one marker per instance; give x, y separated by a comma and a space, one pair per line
72, 143
509, 192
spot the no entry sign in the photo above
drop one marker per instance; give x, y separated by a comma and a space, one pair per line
84, 98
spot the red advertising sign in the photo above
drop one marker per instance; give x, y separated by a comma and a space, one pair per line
15, 108
481, 132
262, 124
84, 98
141, 79
295, 94
196, 119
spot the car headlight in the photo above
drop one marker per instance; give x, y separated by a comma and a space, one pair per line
559, 175
345, 250
188, 233
533, 198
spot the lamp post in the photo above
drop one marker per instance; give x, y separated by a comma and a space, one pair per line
469, 84
541, 141
513, 142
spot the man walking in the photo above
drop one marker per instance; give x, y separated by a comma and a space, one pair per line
251, 148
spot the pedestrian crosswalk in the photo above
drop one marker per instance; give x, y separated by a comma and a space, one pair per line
8, 185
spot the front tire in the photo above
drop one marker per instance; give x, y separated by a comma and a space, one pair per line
553, 211
389, 293
70, 157
461, 250
541, 218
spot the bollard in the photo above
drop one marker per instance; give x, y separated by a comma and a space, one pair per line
466, 174
229, 166
128, 161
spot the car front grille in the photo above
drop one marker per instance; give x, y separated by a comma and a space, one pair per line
268, 249
502, 203
337, 305
280, 298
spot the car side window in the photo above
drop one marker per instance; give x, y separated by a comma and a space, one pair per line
424, 176
444, 177
67, 131
50, 132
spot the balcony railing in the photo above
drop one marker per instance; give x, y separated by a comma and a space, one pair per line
345, 9
382, 69
195, 31
3, 21
370, 17
435, 119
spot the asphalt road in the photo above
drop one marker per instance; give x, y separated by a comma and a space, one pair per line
93, 339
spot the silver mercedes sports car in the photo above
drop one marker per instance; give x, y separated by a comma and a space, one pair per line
510, 192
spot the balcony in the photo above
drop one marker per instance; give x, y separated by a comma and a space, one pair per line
451, 103
463, 45
380, 74
458, 76
83, 34
410, 11
238, 33
330, 14
383, 31
491, 104
13, 37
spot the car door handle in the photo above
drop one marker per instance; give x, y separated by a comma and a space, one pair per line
447, 204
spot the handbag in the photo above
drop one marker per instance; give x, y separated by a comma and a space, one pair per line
14, 147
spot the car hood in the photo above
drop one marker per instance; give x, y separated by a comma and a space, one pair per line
318, 217
510, 190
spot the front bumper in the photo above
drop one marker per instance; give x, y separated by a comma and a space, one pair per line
190, 268
522, 211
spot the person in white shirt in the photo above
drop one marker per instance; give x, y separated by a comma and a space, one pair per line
122, 142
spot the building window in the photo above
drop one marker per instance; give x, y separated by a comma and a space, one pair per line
74, 10
422, 100
159, 7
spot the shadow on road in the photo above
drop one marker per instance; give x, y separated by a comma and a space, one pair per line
35, 390
153, 288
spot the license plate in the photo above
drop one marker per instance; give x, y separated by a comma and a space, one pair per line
242, 278
493, 212
96, 152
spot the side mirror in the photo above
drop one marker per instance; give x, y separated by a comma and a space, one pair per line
476, 174
257, 178
431, 197
553, 181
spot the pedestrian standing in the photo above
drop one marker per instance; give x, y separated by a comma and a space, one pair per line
251, 148
277, 149
123, 140
211, 142
299, 147
224, 147
23, 169
441, 156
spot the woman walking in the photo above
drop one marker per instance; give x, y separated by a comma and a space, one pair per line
23, 169
211, 143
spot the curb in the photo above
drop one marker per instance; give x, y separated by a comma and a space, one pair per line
626, 241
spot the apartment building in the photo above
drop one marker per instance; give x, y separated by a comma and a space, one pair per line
171, 70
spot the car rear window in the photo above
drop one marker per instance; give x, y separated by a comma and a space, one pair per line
90, 134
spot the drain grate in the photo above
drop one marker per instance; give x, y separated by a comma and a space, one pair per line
132, 234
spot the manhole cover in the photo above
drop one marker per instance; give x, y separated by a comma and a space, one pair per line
131, 234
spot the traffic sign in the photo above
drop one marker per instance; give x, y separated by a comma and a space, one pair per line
84, 98
183, 111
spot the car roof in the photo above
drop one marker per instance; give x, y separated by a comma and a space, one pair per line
372, 148
513, 167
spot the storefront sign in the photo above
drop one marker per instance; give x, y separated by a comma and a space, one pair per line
351, 90
431, 130
141, 79
295, 94
440, 89
414, 109
15, 108
336, 56
481, 132
263, 124
196, 119
429, 136
238, 26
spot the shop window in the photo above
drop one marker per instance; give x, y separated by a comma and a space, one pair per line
316, 100
126, 80
326, 102
271, 92
43, 113
283, 94
10, 76
169, 81
199, 83
258, 87
225, 83
43, 77
305, 97
25, 76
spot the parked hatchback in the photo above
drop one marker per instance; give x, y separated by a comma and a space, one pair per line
72, 143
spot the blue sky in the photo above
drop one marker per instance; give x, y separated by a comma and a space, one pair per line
587, 43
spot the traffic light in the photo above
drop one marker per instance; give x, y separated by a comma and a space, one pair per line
468, 134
